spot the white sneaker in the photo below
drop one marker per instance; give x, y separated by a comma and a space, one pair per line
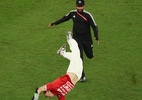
83, 79
69, 35
61, 50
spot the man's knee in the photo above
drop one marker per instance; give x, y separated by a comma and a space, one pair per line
90, 56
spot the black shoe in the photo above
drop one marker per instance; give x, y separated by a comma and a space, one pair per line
83, 79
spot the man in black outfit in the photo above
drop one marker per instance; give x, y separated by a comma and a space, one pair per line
82, 20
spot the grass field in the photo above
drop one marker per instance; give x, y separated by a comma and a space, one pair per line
28, 49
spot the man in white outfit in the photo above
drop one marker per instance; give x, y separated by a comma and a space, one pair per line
64, 84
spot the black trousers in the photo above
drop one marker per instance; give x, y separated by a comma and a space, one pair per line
85, 46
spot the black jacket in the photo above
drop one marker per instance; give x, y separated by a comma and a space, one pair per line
81, 24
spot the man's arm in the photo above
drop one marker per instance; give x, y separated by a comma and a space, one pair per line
94, 27
38, 91
63, 19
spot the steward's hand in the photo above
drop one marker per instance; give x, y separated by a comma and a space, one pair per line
98, 42
51, 25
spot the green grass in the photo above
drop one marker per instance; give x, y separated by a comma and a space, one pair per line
28, 49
